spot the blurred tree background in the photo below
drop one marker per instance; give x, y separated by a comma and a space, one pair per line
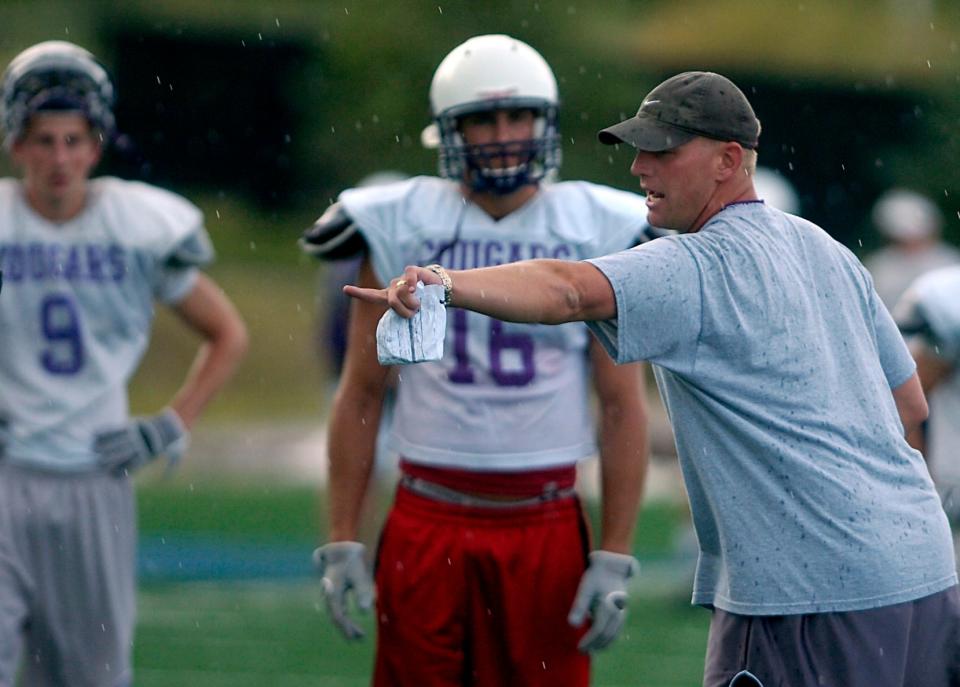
261, 112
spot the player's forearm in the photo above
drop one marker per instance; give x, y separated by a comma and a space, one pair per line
208, 312
624, 456
544, 291
351, 447
214, 365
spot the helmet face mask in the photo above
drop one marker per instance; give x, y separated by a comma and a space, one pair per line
486, 74
56, 76
500, 167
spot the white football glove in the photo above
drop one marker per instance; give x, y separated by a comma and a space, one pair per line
125, 450
603, 594
342, 568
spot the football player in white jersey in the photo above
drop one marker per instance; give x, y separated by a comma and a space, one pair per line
929, 316
84, 261
484, 573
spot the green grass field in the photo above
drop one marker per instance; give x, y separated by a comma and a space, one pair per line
232, 623
270, 633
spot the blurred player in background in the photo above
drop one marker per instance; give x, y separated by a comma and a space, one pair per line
485, 549
775, 190
85, 259
911, 223
825, 555
929, 316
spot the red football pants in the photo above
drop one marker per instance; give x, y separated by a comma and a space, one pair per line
479, 596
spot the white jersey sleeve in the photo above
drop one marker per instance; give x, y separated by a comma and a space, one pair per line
77, 308
169, 232
505, 396
932, 304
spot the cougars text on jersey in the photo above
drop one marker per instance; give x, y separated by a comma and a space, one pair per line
43, 262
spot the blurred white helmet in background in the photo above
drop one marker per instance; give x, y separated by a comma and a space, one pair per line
903, 215
774, 189
56, 76
485, 73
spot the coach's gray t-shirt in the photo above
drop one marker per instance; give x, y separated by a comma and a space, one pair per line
776, 360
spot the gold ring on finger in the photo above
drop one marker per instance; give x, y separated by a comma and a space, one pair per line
401, 282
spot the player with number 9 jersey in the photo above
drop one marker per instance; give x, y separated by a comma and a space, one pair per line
79, 307
84, 262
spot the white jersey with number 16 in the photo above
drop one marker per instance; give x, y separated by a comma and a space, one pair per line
505, 396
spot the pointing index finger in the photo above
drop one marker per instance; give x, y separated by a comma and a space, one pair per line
375, 296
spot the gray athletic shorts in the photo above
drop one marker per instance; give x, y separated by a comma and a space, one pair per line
67, 598
912, 644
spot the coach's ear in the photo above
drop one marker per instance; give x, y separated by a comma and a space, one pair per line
729, 160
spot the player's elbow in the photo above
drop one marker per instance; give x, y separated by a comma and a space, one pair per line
914, 414
233, 340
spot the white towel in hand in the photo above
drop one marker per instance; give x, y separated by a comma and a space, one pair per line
401, 341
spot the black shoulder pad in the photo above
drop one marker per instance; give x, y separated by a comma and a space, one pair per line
912, 319
195, 250
334, 236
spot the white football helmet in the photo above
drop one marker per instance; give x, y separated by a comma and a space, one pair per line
493, 72
775, 190
904, 215
56, 75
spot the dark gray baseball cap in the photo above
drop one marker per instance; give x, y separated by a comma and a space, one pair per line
683, 107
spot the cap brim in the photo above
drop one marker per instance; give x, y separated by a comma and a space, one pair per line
650, 135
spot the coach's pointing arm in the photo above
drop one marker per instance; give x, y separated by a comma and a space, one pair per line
544, 291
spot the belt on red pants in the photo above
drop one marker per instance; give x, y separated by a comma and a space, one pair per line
438, 492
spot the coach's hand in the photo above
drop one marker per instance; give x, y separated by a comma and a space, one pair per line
603, 594
125, 450
342, 569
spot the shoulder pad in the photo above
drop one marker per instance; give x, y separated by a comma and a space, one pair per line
334, 236
911, 317
195, 250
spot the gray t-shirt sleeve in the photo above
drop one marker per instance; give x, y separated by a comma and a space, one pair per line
659, 304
